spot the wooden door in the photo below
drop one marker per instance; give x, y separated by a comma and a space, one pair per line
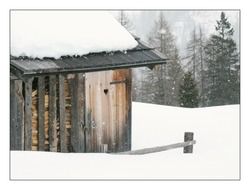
108, 110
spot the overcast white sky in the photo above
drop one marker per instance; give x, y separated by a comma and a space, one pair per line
182, 23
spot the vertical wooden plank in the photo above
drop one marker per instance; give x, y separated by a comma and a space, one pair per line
104, 148
108, 114
129, 110
119, 81
105, 108
88, 115
52, 114
87, 139
74, 116
20, 115
78, 113
113, 121
97, 106
63, 134
41, 113
16, 115
28, 115
98, 117
118, 116
67, 113
94, 139
13, 115
81, 111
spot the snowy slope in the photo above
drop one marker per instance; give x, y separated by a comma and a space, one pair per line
56, 33
216, 154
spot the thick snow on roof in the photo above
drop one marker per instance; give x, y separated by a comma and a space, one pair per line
56, 33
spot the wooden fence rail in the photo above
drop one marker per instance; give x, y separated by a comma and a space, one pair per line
187, 146
158, 148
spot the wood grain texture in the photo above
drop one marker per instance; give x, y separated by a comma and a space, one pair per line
52, 114
74, 134
108, 105
13, 115
81, 111
159, 148
62, 126
67, 114
128, 131
28, 115
188, 136
16, 115
41, 113
122, 108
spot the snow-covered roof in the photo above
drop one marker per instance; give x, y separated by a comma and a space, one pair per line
140, 56
58, 33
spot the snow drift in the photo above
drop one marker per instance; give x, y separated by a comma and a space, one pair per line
216, 153
56, 33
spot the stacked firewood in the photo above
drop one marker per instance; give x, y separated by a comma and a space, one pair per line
46, 120
67, 110
34, 120
35, 135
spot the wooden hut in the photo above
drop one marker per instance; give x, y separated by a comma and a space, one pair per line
75, 103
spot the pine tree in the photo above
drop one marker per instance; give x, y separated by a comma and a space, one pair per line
195, 62
174, 75
188, 92
201, 42
192, 53
223, 68
165, 78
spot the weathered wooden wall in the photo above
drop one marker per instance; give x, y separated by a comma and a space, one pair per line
16, 115
72, 113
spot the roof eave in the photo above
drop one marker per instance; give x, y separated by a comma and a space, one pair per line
23, 74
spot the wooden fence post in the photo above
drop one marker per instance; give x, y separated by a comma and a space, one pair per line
188, 136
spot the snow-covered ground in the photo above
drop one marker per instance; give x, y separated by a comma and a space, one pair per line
216, 154
56, 33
